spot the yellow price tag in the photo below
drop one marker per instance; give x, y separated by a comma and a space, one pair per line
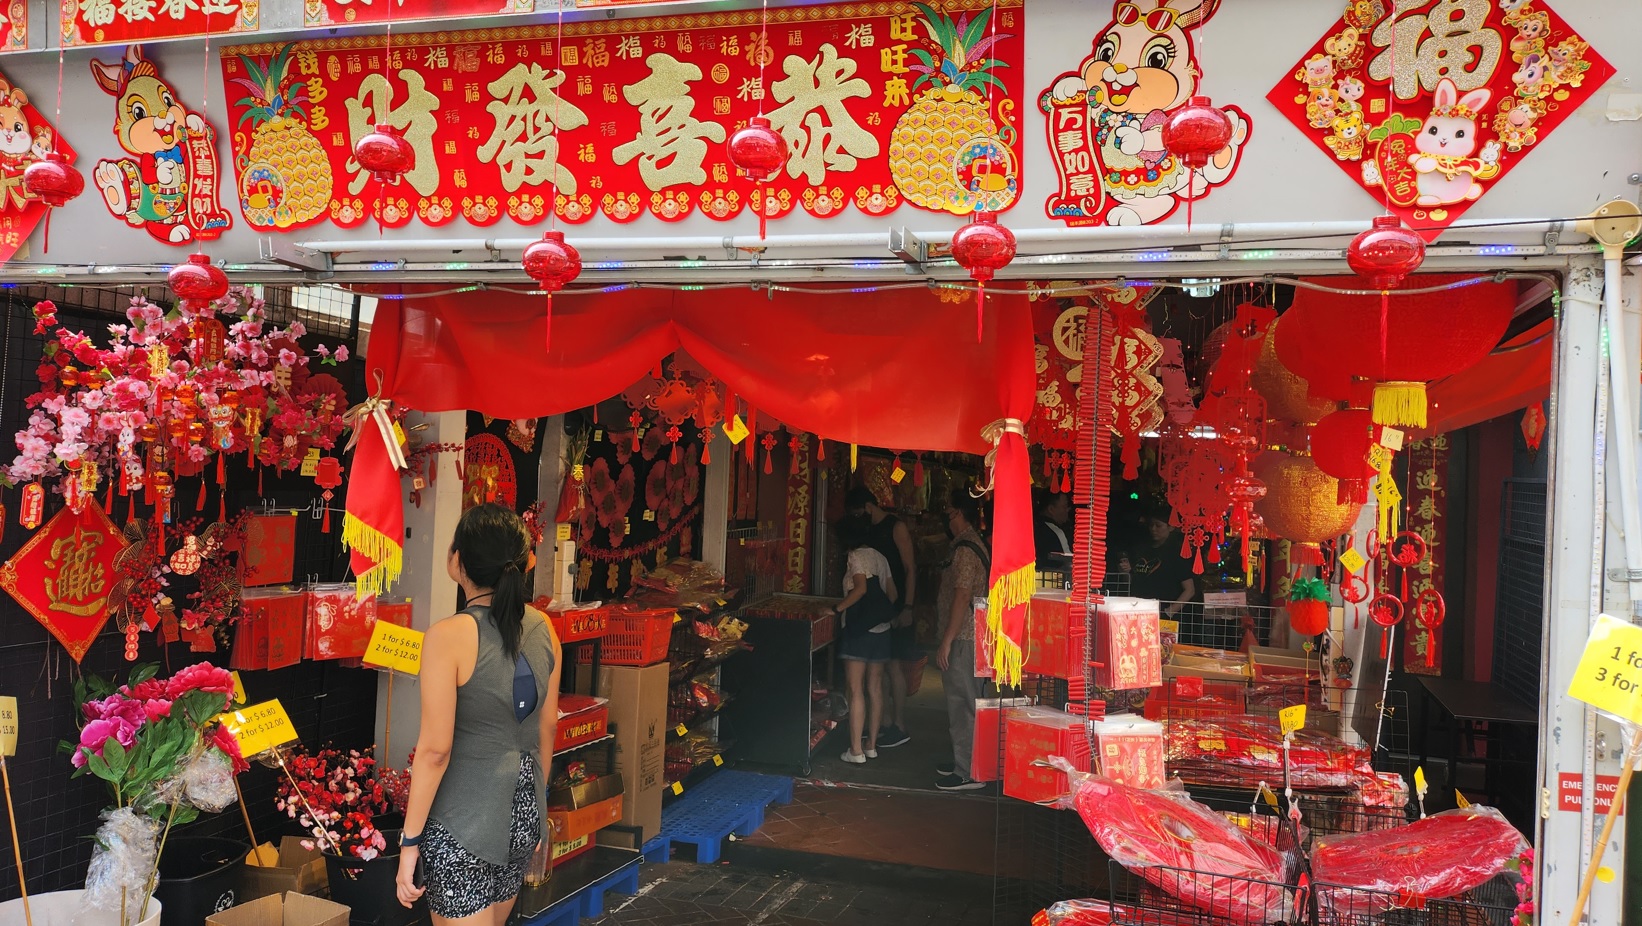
855, 457
1459, 800
1379, 458
395, 647
310, 462
649, 514
8, 726
562, 532
718, 760
897, 474
1291, 719
399, 433
1420, 786
1391, 438
721, 602
260, 727
1352, 561
681, 729
1269, 795
735, 429
1609, 676
677, 788
239, 688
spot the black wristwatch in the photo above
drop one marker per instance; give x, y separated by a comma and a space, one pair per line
409, 842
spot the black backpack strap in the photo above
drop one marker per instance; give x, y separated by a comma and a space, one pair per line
980, 552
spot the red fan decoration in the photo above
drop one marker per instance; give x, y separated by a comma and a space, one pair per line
551, 262
983, 247
1444, 855
386, 154
197, 281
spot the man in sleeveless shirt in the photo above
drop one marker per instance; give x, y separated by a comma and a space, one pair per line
890, 536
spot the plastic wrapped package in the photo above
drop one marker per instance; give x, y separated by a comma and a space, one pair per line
208, 781
1443, 855
1184, 849
122, 858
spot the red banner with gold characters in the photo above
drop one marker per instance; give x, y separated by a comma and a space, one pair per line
1427, 103
121, 22
1427, 517
14, 25
879, 103
25, 137
341, 12
800, 515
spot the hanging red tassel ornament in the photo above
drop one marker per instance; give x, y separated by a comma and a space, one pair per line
752, 430
821, 449
386, 154
918, 469
54, 182
769, 449
673, 435
328, 477
759, 152
1385, 255
1429, 611
706, 444
1194, 134
1386, 611
197, 282
795, 448
635, 420
552, 262
983, 247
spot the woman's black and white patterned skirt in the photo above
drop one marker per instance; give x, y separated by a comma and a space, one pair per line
460, 884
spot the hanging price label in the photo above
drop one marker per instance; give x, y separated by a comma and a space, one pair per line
399, 433
1352, 561
735, 429
8, 726
239, 688
310, 462
677, 788
681, 729
1269, 795
395, 647
1292, 719
562, 532
897, 474
260, 727
1609, 675
1391, 438
1420, 786
1379, 458
718, 760
1459, 800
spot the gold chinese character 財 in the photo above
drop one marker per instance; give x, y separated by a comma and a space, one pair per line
374, 105
672, 142
526, 111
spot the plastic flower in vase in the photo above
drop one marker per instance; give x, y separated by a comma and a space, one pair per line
157, 745
337, 797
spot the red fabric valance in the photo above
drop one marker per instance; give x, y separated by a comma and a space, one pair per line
1515, 376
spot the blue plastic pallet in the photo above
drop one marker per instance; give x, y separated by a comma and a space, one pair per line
585, 894
728, 802
656, 851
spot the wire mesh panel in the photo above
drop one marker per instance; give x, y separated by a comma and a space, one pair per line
1520, 596
1163, 896
1492, 904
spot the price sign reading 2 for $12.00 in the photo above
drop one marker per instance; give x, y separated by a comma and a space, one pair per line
396, 648
259, 727
1609, 677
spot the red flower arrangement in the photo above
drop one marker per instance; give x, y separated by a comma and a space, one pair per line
337, 797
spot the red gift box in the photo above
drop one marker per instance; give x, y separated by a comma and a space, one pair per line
1031, 736
1055, 636
983, 759
397, 613
1129, 751
1189, 696
250, 637
581, 720
269, 557
273, 622
339, 622
1127, 644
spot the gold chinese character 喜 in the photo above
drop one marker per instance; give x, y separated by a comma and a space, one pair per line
671, 144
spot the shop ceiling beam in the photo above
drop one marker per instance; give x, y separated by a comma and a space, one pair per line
284, 251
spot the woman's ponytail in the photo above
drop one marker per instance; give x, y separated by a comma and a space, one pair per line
507, 607
494, 548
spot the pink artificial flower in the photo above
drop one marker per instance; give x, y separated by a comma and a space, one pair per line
146, 690
342, 353
117, 707
287, 357
157, 708
96, 735
322, 350
228, 746
201, 676
108, 421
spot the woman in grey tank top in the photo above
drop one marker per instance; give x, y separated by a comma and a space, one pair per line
490, 700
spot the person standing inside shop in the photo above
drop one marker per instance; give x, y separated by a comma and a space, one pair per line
1157, 570
868, 610
963, 580
889, 536
490, 699
1051, 533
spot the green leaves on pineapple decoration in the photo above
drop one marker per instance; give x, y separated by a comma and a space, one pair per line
1309, 590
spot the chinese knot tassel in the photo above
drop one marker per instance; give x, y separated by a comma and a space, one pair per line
325, 525
980, 310
706, 447
1400, 404
918, 470
752, 431
199, 503
222, 473
108, 502
547, 336
673, 457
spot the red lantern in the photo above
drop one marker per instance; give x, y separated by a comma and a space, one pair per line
53, 180
759, 152
1386, 253
1308, 618
386, 154
328, 476
552, 262
197, 281
983, 247
1339, 446
1196, 132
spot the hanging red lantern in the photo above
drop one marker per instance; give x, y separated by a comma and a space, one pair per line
552, 262
759, 152
197, 281
1339, 446
1196, 132
328, 476
1533, 427
1386, 253
983, 247
53, 180
386, 154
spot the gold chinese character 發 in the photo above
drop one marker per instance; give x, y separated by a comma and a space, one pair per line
672, 142
526, 110
375, 106
821, 134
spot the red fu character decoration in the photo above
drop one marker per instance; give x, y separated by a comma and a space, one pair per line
53, 181
1194, 133
983, 247
328, 477
552, 262
759, 152
386, 154
198, 282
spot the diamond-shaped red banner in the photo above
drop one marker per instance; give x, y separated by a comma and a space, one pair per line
64, 575
1428, 104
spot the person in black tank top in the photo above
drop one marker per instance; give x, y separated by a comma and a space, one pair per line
889, 535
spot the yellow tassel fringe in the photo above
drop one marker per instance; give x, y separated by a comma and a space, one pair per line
1400, 405
1012, 591
387, 553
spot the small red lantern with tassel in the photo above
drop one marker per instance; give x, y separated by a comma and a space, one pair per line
1340, 443
386, 154
1194, 134
328, 477
552, 262
53, 180
197, 281
1386, 253
759, 152
983, 247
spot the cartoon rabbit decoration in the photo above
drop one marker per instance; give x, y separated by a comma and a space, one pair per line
168, 186
1143, 65
1444, 146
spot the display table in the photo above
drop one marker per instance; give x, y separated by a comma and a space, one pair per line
1472, 710
773, 687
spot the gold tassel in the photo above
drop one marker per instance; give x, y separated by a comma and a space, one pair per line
1400, 404
388, 555
1013, 590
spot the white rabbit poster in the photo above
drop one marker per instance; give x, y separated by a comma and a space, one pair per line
1427, 103
1105, 119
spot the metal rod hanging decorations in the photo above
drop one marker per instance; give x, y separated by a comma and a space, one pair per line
757, 150
552, 262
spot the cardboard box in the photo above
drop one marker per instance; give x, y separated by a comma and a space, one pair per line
585, 821
1206, 663
983, 761
638, 712
300, 871
289, 909
1056, 631
1128, 645
1129, 750
581, 720
1033, 734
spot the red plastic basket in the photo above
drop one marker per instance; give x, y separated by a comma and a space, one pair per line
637, 637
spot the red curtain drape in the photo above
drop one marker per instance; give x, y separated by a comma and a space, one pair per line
897, 369
1516, 376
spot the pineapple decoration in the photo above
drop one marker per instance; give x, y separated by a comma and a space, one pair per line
285, 180
947, 153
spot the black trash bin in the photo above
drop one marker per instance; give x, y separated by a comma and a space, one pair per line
369, 889
199, 876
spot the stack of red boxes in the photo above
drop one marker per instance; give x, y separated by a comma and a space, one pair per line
1032, 735
1129, 750
1128, 651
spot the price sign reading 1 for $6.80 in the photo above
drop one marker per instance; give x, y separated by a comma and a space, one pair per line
259, 727
1609, 676
394, 647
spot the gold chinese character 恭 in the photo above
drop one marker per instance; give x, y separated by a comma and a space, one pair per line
821, 134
